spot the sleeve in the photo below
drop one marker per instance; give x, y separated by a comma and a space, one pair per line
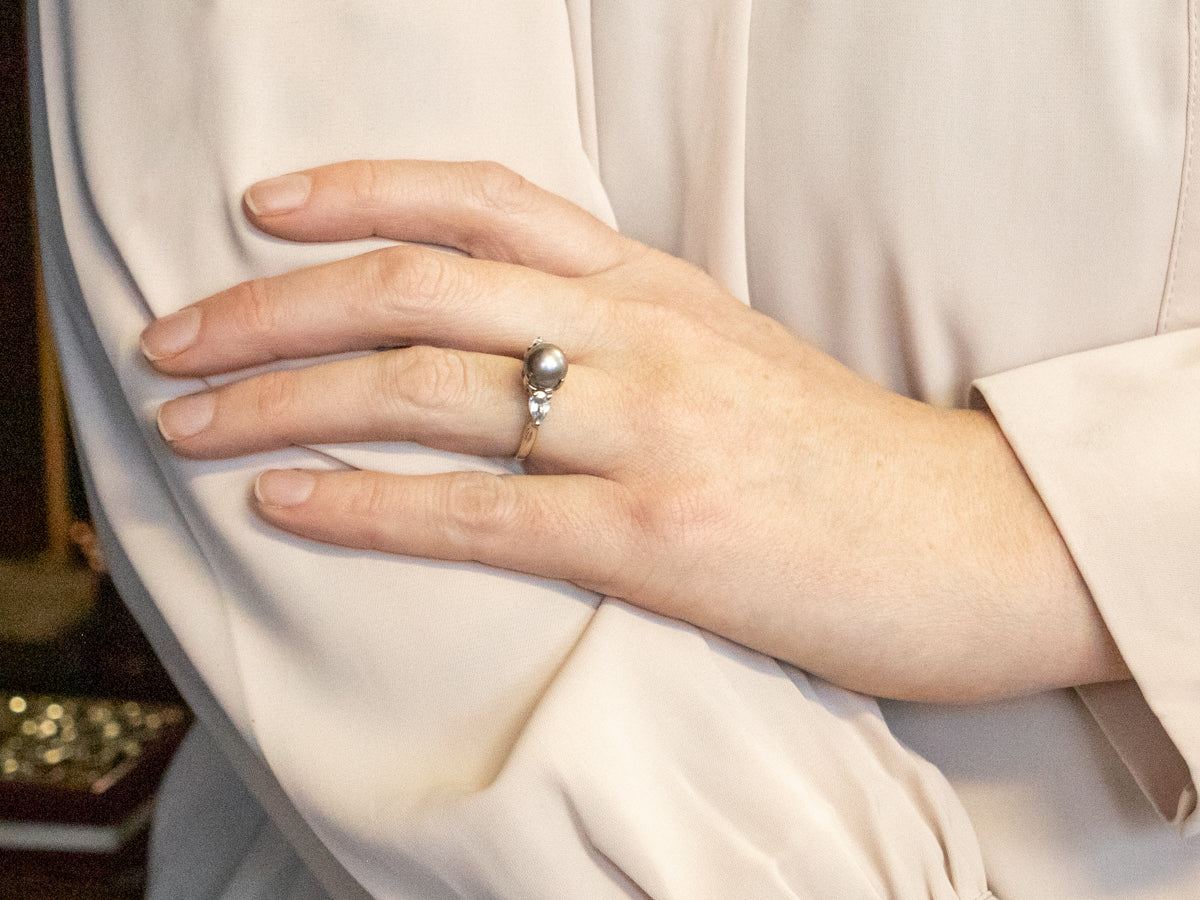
1111, 440
417, 729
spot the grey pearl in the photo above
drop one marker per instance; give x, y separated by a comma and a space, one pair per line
545, 367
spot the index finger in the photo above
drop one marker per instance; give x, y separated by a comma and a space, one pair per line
481, 208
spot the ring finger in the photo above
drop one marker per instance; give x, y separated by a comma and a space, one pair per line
442, 398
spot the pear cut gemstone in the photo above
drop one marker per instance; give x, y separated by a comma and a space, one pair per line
539, 406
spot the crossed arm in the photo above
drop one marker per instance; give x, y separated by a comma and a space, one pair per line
700, 461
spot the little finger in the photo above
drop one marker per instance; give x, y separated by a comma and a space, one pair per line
572, 528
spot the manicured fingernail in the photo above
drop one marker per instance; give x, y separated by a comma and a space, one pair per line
284, 487
182, 418
171, 334
278, 195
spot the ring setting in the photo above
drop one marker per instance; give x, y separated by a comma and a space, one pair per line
543, 369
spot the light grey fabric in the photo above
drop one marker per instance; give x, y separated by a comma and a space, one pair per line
212, 839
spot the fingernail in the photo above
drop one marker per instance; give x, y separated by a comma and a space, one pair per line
186, 416
278, 195
284, 487
171, 334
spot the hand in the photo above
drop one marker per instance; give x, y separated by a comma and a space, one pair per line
699, 461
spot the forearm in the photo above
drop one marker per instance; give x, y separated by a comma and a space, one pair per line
1001, 608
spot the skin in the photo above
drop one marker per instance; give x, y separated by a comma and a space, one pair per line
699, 461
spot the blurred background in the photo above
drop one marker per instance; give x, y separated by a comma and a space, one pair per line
87, 717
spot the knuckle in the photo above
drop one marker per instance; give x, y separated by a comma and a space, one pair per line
369, 501
682, 517
428, 379
276, 397
371, 498
497, 188
254, 310
413, 280
366, 180
478, 503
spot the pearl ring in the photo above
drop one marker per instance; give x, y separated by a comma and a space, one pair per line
543, 369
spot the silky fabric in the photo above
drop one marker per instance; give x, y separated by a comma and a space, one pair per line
968, 205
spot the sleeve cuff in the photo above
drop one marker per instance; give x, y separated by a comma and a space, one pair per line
1111, 440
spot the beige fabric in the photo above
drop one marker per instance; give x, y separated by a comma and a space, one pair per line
932, 192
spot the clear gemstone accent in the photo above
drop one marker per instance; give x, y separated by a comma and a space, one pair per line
539, 406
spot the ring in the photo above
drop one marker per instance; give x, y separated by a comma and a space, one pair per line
543, 369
